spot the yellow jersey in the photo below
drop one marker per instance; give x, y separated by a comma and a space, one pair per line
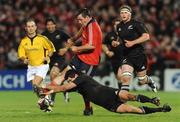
35, 49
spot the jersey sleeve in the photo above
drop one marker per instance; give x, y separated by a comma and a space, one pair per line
65, 36
141, 28
48, 45
78, 81
21, 50
110, 37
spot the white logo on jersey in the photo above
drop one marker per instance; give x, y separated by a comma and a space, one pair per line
130, 27
125, 61
143, 67
58, 36
83, 71
119, 29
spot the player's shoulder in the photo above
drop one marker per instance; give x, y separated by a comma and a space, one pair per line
136, 21
24, 39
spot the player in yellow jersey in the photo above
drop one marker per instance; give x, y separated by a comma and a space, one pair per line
35, 50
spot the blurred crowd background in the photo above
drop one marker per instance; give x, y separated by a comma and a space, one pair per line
162, 18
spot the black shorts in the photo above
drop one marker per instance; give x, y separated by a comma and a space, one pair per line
114, 101
139, 63
57, 61
115, 65
80, 66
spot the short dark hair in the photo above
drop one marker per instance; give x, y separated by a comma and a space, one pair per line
70, 73
50, 19
84, 12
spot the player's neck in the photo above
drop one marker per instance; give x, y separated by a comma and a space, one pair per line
31, 35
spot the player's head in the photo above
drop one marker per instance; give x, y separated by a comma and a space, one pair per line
83, 16
30, 26
70, 75
50, 24
125, 13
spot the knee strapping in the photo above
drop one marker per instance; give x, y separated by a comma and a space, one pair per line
126, 74
141, 78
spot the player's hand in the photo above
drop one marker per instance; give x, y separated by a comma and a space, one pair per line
115, 43
129, 43
69, 43
109, 53
62, 51
74, 49
26, 61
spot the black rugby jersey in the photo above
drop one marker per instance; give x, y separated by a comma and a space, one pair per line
58, 37
117, 50
131, 31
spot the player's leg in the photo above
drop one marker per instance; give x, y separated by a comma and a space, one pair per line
80, 66
144, 79
125, 108
125, 74
140, 64
117, 71
90, 71
127, 96
53, 74
36, 84
37, 74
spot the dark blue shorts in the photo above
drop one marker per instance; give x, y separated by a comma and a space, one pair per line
82, 67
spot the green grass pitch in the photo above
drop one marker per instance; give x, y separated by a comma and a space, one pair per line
22, 107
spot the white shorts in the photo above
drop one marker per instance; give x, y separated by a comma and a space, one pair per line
33, 71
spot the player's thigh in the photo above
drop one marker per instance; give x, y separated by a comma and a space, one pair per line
37, 80
125, 108
140, 63
54, 72
88, 69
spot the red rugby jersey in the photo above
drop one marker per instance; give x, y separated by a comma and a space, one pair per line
92, 35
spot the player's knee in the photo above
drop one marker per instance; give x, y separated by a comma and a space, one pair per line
126, 77
142, 79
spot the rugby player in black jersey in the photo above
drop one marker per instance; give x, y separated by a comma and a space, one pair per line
58, 38
113, 49
109, 98
133, 34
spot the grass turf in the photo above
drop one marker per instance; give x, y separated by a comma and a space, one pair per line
22, 107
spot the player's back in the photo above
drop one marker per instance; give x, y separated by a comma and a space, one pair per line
94, 91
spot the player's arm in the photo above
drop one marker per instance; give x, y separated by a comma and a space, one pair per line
62, 88
141, 29
22, 54
107, 51
143, 38
48, 45
83, 48
77, 35
71, 42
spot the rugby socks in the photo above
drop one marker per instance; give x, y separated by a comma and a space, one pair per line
87, 103
53, 95
119, 85
125, 87
37, 90
143, 99
148, 110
